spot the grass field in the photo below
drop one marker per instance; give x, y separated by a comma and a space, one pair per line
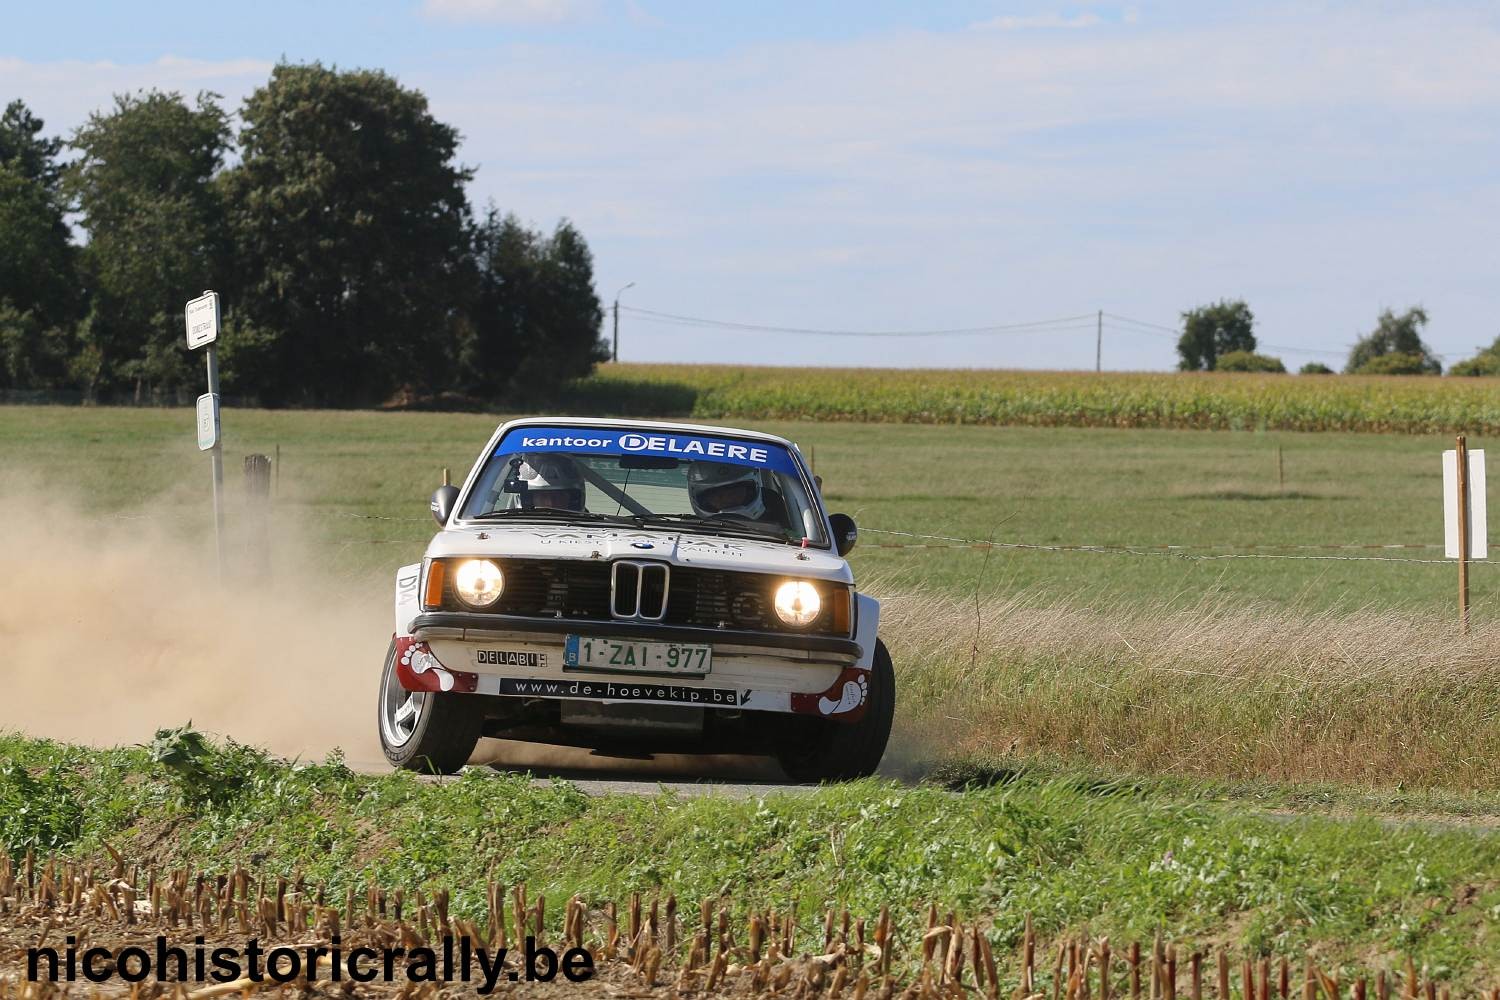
1290, 669
1216, 493
1118, 859
1201, 400
1145, 742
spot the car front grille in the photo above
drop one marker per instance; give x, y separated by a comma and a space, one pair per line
704, 598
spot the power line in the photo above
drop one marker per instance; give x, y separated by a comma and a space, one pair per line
1040, 326
1062, 324
1167, 330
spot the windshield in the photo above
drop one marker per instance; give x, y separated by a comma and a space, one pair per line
702, 483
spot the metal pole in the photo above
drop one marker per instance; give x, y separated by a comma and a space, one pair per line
614, 354
1099, 344
1463, 532
217, 454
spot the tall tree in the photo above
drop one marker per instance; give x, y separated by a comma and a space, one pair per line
1395, 347
1212, 330
350, 227
144, 183
36, 254
535, 320
23, 149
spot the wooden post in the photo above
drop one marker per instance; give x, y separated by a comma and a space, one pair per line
1280, 471
258, 497
1463, 533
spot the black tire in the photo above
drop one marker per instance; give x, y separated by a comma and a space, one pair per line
843, 751
441, 738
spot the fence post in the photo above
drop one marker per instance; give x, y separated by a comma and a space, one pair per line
257, 516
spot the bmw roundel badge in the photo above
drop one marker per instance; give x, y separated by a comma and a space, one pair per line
642, 545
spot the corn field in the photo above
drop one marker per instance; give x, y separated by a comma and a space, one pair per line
1194, 400
647, 947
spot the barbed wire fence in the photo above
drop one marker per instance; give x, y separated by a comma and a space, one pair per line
1332, 552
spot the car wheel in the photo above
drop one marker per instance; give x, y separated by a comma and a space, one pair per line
428, 731
840, 751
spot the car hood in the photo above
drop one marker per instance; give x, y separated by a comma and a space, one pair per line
680, 548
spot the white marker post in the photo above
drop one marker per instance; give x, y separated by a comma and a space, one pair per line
202, 315
1465, 535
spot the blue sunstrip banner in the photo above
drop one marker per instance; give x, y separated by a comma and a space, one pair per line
601, 441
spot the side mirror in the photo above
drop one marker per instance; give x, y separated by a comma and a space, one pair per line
443, 499
844, 532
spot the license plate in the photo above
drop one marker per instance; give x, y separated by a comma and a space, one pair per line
584, 652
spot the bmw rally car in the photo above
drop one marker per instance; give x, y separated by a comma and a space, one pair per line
651, 585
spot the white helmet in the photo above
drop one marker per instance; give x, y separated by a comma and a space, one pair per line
552, 474
712, 490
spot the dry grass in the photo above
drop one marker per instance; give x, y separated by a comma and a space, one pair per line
1211, 690
647, 947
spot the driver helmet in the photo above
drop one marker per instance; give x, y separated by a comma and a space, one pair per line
552, 481
716, 488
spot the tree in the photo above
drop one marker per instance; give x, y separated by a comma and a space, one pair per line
33, 355
37, 258
535, 321
1486, 362
1209, 331
1395, 335
144, 183
351, 232
1248, 361
1315, 368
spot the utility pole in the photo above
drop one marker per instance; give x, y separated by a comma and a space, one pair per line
614, 354
1099, 344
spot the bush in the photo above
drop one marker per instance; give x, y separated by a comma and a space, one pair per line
1395, 335
1397, 363
1248, 361
1315, 368
1482, 364
38, 812
205, 774
1486, 362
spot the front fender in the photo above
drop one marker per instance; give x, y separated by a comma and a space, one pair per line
408, 603
866, 619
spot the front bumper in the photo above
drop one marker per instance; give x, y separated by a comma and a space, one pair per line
479, 626
509, 656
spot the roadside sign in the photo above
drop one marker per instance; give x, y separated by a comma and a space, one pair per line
1476, 508
208, 420
202, 320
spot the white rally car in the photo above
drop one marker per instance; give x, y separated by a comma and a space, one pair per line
656, 586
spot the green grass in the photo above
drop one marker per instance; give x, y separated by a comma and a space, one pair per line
1199, 400
1122, 859
1293, 669
1216, 492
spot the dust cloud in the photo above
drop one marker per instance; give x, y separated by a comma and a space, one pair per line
114, 626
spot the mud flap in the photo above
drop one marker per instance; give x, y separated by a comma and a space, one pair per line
408, 603
866, 619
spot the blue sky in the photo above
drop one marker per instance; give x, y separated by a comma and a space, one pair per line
885, 166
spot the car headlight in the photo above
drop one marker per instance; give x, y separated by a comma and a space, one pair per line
798, 603
478, 582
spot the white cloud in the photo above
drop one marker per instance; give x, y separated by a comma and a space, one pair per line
63, 93
1019, 22
923, 179
504, 11
1320, 163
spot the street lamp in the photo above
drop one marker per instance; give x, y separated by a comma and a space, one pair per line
614, 355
